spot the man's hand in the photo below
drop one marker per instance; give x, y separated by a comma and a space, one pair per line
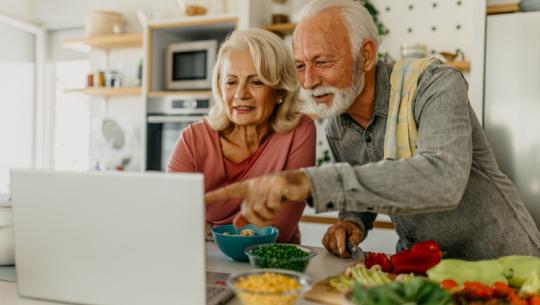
337, 235
264, 196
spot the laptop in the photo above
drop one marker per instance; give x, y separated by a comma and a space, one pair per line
112, 238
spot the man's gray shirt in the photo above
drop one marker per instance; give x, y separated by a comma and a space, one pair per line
451, 190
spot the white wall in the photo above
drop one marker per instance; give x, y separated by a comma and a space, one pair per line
55, 14
17, 8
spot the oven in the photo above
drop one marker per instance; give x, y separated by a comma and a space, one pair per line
165, 121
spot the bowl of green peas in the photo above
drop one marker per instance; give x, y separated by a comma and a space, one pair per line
280, 256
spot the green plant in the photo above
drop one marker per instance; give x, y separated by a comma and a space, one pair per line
375, 15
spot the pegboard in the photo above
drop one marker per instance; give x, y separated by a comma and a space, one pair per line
442, 25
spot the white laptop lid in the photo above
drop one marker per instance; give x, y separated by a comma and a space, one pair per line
109, 237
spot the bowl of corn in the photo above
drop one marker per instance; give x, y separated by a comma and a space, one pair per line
269, 286
280, 256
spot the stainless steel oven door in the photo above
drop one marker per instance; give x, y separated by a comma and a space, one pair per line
163, 131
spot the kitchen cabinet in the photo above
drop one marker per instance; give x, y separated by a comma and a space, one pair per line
512, 98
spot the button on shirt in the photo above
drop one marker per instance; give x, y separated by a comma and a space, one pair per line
451, 190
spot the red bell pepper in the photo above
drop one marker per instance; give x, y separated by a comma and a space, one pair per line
374, 258
421, 257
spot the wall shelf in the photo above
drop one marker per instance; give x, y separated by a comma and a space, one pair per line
106, 92
280, 28
117, 41
502, 8
185, 93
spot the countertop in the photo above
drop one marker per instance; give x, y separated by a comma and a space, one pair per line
322, 265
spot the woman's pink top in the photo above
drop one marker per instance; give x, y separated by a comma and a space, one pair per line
199, 150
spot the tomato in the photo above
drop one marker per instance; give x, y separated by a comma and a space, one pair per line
449, 284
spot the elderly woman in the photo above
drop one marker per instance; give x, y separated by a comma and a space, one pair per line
254, 127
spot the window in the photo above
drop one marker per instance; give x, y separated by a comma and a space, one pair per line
68, 70
21, 129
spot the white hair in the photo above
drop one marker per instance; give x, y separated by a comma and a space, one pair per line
275, 67
356, 17
343, 98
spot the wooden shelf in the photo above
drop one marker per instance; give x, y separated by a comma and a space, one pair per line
502, 8
97, 91
117, 41
195, 21
464, 66
280, 28
193, 93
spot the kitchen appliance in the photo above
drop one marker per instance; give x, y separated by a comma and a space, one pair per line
189, 64
512, 100
165, 121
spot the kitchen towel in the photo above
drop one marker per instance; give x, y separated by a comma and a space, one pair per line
401, 133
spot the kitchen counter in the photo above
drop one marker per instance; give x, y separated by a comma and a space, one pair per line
322, 265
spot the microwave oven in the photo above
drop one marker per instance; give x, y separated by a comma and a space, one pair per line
190, 64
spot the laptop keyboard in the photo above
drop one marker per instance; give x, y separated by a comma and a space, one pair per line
213, 291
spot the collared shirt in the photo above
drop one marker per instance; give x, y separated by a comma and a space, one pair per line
451, 190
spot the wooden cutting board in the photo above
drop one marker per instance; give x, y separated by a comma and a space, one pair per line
323, 293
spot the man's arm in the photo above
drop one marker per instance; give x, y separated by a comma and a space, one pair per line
433, 180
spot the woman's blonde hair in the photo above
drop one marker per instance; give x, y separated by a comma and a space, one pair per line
275, 67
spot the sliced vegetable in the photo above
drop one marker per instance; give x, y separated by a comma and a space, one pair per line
418, 291
360, 274
486, 272
418, 259
532, 284
373, 258
522, 267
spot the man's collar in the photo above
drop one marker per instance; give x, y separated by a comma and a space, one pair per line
382, 94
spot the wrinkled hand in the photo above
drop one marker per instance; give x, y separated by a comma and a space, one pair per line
338, 234
264, 196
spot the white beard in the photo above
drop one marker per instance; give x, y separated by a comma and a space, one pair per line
343, 98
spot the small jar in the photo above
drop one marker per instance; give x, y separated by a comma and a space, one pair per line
280, 11
90, 80
99, 79
112, 79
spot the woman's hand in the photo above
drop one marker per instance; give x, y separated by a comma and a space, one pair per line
264, 196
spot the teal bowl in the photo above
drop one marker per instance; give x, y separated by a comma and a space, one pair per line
232, 245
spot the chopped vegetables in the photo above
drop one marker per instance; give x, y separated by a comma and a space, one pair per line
373, 258
360, 274
417, 260
281, 256
522, 267
418, 291
485, 272
498, 293
245, 232
267, 289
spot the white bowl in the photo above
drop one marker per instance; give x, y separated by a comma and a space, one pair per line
7, 245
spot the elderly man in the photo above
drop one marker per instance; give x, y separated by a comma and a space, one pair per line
448, 189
